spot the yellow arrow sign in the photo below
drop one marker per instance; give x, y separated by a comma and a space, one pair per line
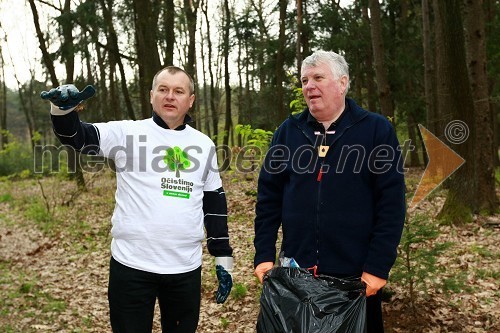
443, 162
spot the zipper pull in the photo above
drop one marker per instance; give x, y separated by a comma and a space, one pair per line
314, 270
320, 174
322, 150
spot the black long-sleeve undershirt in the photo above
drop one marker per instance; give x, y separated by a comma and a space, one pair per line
81, 136
215, 210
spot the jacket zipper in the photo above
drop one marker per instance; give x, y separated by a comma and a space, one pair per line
318, 208
320, 176
318, 205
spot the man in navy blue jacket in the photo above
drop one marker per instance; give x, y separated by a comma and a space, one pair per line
333, 181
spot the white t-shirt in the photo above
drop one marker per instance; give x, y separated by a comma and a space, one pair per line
161, 176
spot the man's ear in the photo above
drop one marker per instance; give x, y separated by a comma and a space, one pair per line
344, 81
191, 100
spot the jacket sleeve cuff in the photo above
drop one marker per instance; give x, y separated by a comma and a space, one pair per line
56, 111
226, 262
377, 272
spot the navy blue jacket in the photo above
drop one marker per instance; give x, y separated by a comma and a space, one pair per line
343, 213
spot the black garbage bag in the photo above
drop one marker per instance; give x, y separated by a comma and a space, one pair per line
295, 301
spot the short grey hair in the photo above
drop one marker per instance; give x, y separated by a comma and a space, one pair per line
173, 70
335, 61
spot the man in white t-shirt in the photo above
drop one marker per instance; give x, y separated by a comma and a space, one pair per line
168, 190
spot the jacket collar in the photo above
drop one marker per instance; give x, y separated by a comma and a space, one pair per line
311, 121
157, 119
352, 114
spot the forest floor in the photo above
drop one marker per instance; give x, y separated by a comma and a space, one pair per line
54, 257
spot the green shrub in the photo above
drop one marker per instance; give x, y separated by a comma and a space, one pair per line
26, 287
298, 104
255, 145
5, 197
224, 322
416, 267
239, 291
15, 157
40, 214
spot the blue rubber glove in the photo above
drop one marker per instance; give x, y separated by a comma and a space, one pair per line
67, 96
223, 269
225, 284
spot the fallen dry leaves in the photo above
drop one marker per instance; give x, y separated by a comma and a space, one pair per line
54, 276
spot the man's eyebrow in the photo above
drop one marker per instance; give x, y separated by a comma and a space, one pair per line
175, 88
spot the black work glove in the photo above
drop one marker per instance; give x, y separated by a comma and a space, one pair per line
67, 97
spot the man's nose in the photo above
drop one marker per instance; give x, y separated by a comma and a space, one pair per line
169, 95
309, 86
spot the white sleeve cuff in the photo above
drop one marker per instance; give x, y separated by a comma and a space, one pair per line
56, 111
226, 262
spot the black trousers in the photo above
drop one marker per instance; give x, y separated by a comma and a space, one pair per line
374, 321
132, 296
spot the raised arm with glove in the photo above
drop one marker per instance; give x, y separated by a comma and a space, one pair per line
68, 128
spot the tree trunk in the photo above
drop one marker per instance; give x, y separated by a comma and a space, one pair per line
148, 58
306, 30
412, 135
358, 84
429, 71
49, 64
88, 63
67, 47
206, 116
280, 63
485, 143
384, 90
227, 86
190, 8
68, 57
370, 83
3, 104
248, 98
240, 91
213, 97
490, 14
115, 110
103, 89
298, 46
263, 37
169, 24
455, 95
114, 54
239, 65
26, 110
443, 116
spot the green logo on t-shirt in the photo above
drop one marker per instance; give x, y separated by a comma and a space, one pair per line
176, 187
176, 194
176, 160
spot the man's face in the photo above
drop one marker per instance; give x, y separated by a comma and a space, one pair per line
323, 93
171, 97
